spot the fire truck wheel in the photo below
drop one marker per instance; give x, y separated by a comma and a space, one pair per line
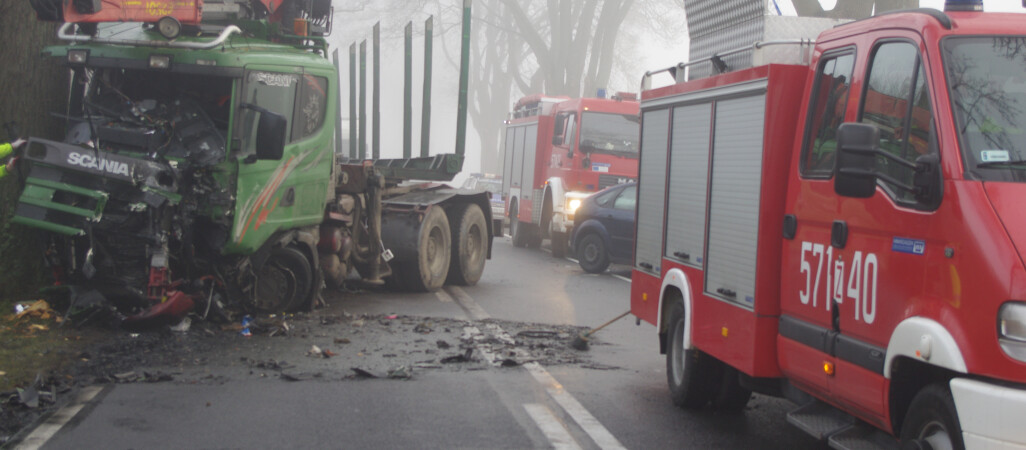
469, 247
731, 397
691, 374
560, 242
283, 282
592, 254
516, 228
428, 273
533, 234
931, 421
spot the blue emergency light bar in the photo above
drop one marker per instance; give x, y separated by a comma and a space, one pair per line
965, 5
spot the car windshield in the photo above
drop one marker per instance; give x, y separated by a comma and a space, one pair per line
610, 133
987, 79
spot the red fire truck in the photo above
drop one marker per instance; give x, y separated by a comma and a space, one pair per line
845, 233
559, 150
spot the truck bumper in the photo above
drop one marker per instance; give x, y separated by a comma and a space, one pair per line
560, 223
991, 415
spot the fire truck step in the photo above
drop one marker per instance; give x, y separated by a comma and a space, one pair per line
819, 419
863, 437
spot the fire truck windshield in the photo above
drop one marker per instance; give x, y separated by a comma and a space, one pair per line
610, 133
987, 80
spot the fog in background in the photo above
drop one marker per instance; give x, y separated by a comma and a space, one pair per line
609, 51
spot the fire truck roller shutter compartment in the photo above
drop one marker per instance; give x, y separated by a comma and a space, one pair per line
689, 162
518, 161
734, 203
528, 183
651, 191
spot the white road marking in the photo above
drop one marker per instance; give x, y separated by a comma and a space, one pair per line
468, 304
612, 274
621, 277
47, 429
443, 296
551, 427
598, 433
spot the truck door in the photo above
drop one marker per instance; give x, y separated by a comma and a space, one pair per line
858, 264
290, 192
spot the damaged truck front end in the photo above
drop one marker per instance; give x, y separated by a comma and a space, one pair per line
139, 201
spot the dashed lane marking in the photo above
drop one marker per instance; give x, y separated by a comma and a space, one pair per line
443, 296
598, 433
468, 304
46, 430
621, 277
551, 427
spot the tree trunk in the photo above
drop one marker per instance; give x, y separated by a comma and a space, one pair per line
31, 87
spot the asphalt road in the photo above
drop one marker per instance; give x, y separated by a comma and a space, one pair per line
616, 397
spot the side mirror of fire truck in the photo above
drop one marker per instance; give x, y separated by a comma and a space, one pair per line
855, 164
270, 133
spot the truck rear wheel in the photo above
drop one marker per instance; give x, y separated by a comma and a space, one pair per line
516, 227
283, 282
434, 249
932, 421
691, 374
469, 246
731, 397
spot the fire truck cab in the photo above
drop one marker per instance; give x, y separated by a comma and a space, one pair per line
844, 233
558, 151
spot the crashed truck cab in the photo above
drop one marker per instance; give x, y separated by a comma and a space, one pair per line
201, 165
176, 161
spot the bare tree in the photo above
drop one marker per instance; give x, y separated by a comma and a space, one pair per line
31, 87
851, 9
572, 43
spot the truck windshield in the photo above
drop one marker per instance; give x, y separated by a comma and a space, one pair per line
159, 113
987, 79
610, 133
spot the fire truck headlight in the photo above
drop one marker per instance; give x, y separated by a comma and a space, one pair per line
1012, 329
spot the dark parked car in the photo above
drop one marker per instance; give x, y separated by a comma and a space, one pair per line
604, 228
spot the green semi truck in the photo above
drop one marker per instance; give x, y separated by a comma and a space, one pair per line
202, 167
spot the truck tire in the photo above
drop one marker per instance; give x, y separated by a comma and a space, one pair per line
932, 421
283, 282
731, 397
691, 374
469, 246
434, 250
592, 254
560, 242
516, 227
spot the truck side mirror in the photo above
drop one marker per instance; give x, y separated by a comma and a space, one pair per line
855, 165
270, 135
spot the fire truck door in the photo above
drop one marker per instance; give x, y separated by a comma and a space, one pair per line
881, 243
859, 262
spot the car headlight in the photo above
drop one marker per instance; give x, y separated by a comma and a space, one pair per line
572, 205
1012, 329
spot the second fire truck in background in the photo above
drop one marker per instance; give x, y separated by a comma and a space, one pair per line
559, 150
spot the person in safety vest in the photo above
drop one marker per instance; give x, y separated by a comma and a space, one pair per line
5, 151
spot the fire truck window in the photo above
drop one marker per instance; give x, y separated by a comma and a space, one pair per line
897, 102
270, 90
830, 99
627, 199
310, 107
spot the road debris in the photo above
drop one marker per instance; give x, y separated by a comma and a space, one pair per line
466, 356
